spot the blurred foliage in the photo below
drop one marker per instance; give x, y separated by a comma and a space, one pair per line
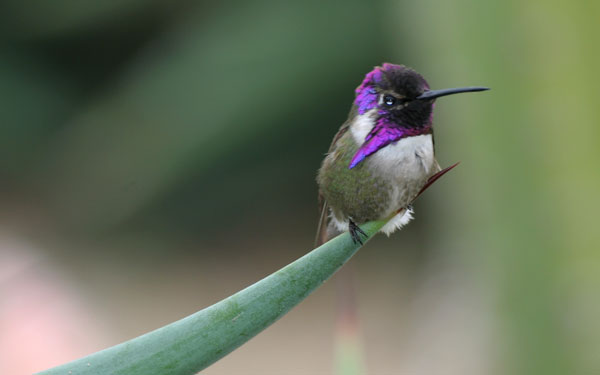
230, 90
130, 123
532, 147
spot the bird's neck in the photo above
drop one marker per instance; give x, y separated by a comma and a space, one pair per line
370, 124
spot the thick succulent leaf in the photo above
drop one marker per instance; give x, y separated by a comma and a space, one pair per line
193, 343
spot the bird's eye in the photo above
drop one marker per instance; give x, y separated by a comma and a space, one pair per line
389, 100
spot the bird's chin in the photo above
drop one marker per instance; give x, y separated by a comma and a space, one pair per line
362, 125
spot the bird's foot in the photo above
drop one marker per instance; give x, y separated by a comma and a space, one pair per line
356, 232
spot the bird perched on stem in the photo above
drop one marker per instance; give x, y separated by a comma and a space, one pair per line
383, 155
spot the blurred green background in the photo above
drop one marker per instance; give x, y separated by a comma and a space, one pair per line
157, 156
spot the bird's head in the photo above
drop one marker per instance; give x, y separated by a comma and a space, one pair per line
392, 90
399, 103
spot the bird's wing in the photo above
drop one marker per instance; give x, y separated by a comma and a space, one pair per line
321, 236
343, 129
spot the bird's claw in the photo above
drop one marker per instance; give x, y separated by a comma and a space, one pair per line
356, 232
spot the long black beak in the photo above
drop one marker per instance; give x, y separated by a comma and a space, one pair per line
432, 94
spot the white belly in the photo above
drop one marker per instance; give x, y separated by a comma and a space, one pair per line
408, 163
409, 159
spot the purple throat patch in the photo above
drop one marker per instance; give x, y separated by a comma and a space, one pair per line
382, 134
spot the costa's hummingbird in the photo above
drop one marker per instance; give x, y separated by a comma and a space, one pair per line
382, 156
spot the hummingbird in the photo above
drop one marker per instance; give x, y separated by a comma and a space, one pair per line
382, 156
